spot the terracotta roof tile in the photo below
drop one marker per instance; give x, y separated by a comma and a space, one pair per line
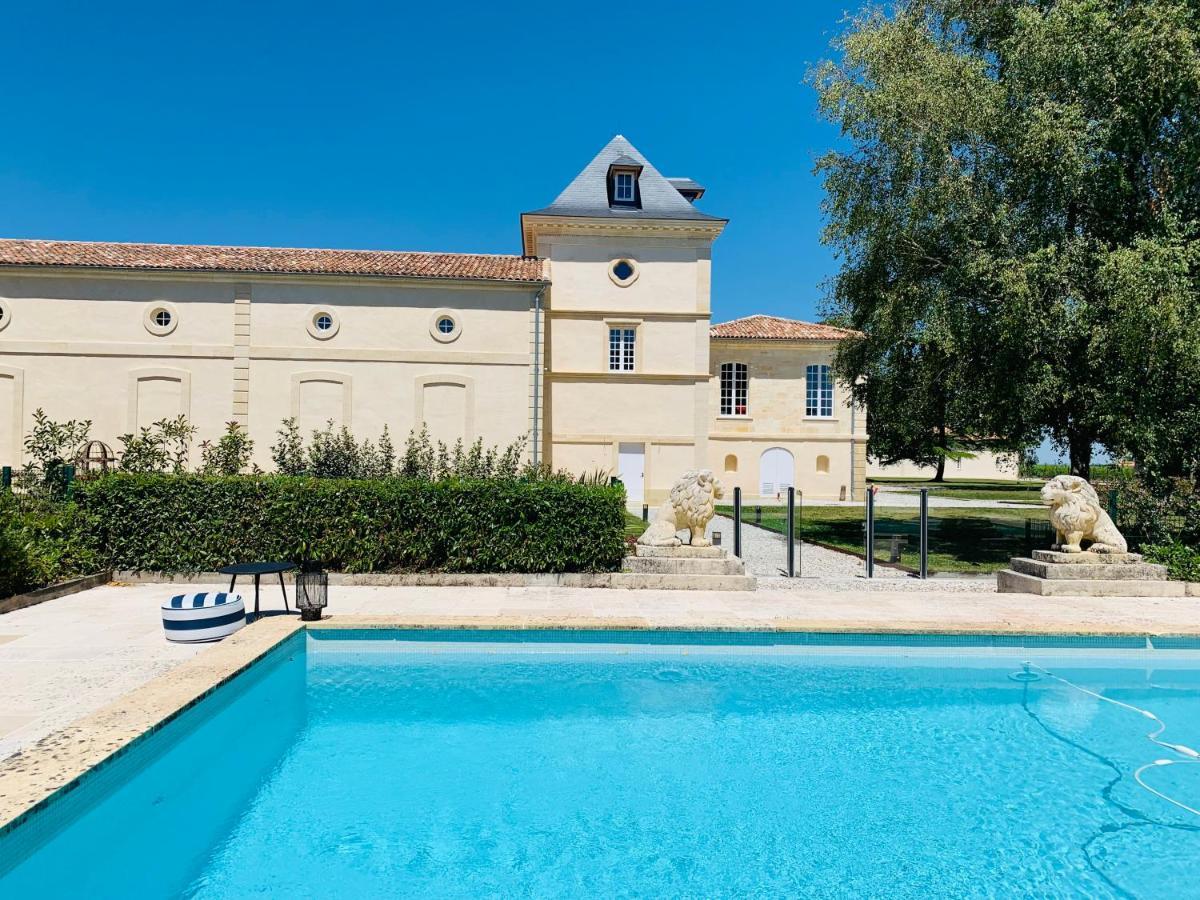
773, 328
282, 260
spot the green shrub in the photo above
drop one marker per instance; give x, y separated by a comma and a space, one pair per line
43, 542
1156, 510
1182, 561
186, 523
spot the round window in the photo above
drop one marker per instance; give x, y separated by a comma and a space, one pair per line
623, 272
5, 315
160, 319
322, 323
444, 326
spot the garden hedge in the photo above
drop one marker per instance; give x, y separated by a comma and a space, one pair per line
192, 523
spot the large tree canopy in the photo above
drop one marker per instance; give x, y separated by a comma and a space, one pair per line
1016, 202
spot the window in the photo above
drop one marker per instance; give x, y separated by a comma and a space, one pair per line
160, 318
322, 323
818, 394
620, 349
5, 315
734, 382
623, 272
623, 187
444, 326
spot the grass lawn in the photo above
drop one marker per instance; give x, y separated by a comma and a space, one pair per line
634, 526
1011, 491
967, 540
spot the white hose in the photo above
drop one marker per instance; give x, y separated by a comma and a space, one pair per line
1153, 737
1137, 776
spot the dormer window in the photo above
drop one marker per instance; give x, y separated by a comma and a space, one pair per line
623, 187
623, 175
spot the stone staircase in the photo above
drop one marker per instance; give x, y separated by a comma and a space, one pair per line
684, 568
1053, 574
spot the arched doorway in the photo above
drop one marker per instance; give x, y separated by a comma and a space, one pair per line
776, 472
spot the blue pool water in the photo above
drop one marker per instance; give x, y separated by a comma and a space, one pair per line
395, 764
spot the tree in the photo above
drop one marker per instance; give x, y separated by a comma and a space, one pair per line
1014, 208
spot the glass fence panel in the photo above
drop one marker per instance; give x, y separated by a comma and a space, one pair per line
979, 540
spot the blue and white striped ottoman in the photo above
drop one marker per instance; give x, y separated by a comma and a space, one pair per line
203, 616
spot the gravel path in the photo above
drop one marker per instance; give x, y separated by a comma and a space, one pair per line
764, 553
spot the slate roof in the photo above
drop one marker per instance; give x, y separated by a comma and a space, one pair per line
587, 195
281, 260
774, 328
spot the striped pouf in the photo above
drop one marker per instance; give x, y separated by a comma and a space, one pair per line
203, 616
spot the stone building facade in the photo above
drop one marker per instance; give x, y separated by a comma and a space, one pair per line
596, 342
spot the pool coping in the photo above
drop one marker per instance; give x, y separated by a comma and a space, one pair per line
35, 777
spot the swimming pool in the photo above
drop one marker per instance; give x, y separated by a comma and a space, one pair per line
454, 764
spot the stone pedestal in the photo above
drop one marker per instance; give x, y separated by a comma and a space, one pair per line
1052, 573
686, 568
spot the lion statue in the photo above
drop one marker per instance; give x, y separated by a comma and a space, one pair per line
1076, 515
689, 508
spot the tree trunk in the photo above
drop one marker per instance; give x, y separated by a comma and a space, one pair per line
1080, 449
940, 475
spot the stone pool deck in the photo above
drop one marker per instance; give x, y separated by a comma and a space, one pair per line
69, 657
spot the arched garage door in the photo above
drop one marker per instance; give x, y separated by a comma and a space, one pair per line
776, 472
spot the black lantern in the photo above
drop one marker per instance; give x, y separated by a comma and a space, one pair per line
312, 593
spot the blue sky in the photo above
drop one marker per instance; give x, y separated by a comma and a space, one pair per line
370, 126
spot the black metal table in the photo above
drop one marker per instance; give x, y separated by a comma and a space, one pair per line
258, 570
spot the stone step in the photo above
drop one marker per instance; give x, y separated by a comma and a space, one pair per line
675, 565
682, 552
1126, 572
1086, 558
1010, 582
642, 581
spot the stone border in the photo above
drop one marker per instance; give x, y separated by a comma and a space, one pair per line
604, 580
54, 591
33, 778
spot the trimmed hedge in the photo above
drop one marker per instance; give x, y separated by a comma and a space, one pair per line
193, 523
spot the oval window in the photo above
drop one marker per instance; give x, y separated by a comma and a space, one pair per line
445, 325
623, 270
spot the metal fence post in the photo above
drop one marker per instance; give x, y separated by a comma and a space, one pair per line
800, 533
791, 532
871, 532
69, 480
758, 515
6, 478
737, 522
645, 512
924, 532
1112, 504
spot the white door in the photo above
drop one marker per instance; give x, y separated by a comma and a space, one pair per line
631, 468
776, 472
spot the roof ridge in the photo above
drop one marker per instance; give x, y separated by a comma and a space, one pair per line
163, 244
767, 327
